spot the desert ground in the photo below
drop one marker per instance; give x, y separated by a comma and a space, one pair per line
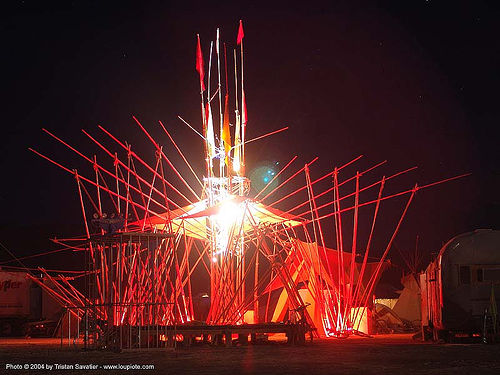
385, 354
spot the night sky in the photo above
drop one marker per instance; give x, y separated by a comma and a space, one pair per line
413, 82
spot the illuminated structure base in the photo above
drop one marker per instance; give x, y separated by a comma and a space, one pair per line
257, 260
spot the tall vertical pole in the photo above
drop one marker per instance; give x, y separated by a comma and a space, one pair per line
210, 160
200, 68
367, 250
98, 188
117, 184
81, 204
350, 301
244, 122
255, 290
129, 156
221, 120
340, 247
237, 141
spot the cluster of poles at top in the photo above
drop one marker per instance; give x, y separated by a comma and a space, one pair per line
231, 157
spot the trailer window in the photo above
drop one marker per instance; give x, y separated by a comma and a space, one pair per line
491, 274
464, 274
479, 275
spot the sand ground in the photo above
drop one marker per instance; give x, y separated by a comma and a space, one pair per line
388, 354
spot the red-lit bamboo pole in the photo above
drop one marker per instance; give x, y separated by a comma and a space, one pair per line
331, 188
264, 136
94, 163
66, 248
238, 231
158, 160
314, 214
159, 149
223, 281
91, 248
245, 305
226, 284
238, 295
62, 293
90, 181
340, 326
350, 194
201, 71
216, 299
375, 275
368, 246
224, 309
361, 190
221, 119
314, 182
115, 163
76, 293
287, 180
181, 153
179, 290
127, 188
286, 278
138, 182
81, 204
243, 107
350, 300
256, 291
164, 195
96, 208
392, 196
272, 276
184, 266
164, 188
97, 189
107, 187
188, 246
55, 295
201, 256
170, 263
291, 288
165, 263
134, 156
317, 279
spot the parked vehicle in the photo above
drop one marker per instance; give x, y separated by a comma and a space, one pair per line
25, 308
41, 328
460, 285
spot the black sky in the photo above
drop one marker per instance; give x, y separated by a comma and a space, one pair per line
413, 82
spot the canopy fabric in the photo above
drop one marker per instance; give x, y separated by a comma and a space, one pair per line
192, 219
324, 261
312, 261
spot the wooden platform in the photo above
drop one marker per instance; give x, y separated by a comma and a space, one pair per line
188, 334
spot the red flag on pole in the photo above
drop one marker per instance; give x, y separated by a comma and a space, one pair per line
240, 34
199, 64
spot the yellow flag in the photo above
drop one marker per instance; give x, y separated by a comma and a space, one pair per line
210, 137
226, 134
237, 147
